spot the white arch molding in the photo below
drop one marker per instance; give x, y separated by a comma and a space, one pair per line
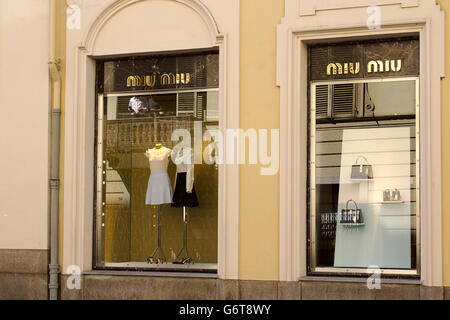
80, 121
119, 5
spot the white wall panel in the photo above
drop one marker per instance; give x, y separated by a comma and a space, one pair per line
24, 123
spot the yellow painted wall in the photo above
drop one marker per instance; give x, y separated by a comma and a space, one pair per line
260, 109
445, 4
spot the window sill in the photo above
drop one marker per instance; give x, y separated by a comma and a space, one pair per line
358, 280
156, 274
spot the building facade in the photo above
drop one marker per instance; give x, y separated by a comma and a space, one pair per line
185, 149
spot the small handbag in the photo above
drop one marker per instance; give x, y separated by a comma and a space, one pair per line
391, 195
362, 171
352, 216
396, 195
387, 195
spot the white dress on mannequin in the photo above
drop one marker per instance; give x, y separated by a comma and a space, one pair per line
159, 190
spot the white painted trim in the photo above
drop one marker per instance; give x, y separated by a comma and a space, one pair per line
228, 255
308, 8
293, 37
79, 141
119, 5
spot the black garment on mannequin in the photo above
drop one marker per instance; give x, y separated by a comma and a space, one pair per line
181, 198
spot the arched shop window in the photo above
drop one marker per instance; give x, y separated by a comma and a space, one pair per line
155, 209
364, 157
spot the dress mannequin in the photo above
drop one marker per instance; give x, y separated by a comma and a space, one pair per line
159, 190
184, 195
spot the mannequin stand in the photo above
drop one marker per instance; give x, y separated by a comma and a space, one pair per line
187, 259
151, 259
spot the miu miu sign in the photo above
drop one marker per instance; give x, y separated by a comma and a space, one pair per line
165, 79
374, 66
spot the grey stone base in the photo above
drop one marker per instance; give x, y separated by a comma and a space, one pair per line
23, 274
22, 286
103, 287
149, 288
447, 293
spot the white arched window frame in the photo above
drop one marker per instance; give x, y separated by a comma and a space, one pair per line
320, 21
82, 49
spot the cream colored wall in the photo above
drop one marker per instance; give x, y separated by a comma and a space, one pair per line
24, 123
189, 28
260, 109
445, 4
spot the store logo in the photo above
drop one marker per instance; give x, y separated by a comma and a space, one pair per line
179, 78
166, 79
337, 68
74, 281
374, 66
73, 17
141, 81
386, 66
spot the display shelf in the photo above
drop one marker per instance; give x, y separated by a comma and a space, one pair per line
352, 224
392, 202
162, 267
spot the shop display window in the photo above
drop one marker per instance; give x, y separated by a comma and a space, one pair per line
364, 171
156, 208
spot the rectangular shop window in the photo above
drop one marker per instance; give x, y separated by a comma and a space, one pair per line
154, 213
364, 152
364, 176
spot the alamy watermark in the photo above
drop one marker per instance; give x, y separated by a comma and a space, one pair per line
73, 16
74, 280
374, 280
233, 146
374, 19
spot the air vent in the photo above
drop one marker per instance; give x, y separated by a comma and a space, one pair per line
322, 102
201, 105
343, 100
122, 105
186, 103
336, 101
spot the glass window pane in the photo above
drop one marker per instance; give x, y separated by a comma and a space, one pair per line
393, 97
152, 211
363, 180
